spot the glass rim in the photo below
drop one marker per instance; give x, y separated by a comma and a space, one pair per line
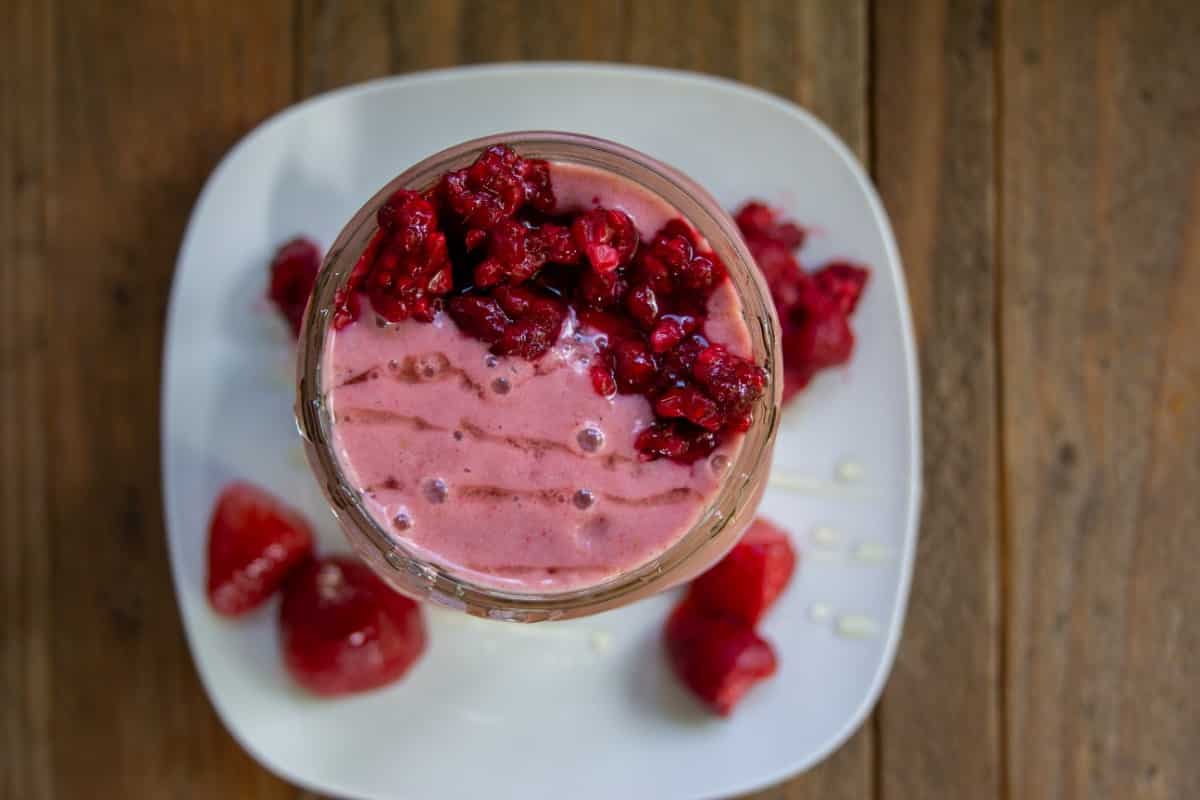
744, 477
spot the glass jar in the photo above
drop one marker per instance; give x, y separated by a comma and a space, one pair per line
720, 524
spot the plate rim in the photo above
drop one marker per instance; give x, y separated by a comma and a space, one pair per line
914, 489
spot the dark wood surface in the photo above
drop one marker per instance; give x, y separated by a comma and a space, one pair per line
1041, 164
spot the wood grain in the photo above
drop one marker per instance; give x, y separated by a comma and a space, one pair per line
1101, 206
26, 130
1041, 164
118, 115
939, 720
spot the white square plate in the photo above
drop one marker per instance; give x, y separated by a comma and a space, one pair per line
586, 708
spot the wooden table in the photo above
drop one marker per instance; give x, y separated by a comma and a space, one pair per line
1041, 163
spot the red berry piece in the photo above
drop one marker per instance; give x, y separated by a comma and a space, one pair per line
633, 366
479, 316
642, 305
820, 342
602, 380
498, 185
758, 221
607, 238
732, 381
253, 541
679, 441
294, 270
717, 656
343, 630
842, 282
691, 404
750, 578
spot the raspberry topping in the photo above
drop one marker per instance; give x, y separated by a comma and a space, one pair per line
485, 242
813, 307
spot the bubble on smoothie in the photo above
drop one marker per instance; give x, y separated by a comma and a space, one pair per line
719, 463
501, 386
590, 439
491, 361
403, 520
429, 367
435, 490
584, 499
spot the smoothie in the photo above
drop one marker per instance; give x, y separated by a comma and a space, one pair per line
546, 467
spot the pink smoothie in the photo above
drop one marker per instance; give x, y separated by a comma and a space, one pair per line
513, 474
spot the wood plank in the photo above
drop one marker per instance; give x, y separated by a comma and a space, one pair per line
147, 97
940, 718
26, 126
1101, 207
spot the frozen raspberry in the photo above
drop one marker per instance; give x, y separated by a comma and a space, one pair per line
820, 342
691, 404
607, 238
294, 270
498, 185
843, 282
732, 381
758, 221
642, 305
343, 630
602, 379
679, 441
254, 540
717, 656
479, 316
750, 578
633, 366
812, 308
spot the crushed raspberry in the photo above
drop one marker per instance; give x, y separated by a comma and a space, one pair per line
293, 272
343, 630
813, 307
608, 239
484, 243
498, 185
759, 221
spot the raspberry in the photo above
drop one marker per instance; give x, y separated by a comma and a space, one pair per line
732, 381
607, 237
634, 367
293, 272
758, 221
813, 308
677, 440
691, 404
642, 305
843, 282
498, 185
479, 316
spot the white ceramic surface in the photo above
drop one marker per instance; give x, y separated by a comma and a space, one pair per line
584, 709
